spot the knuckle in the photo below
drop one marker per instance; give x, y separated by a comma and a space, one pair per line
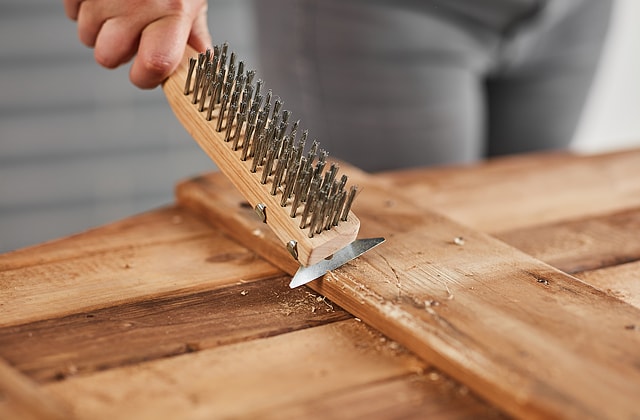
105, 59
176, 6
157, 65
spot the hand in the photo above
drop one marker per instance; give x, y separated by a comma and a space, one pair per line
155, 32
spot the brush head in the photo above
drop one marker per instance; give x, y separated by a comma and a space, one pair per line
265, 153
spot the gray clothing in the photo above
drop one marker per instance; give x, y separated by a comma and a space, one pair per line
390, 84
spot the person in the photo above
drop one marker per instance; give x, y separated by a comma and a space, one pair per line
391, 84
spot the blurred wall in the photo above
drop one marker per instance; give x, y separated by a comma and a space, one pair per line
611, 119
80, 146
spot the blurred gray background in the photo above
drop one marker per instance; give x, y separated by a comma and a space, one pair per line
80, 146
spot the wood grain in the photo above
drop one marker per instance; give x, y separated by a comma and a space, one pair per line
512, 328
262, 378
20, 398
529, 338
59, 282
521, 191
133, 335
160, 327
621, 281
414, 396
128, 233
582, 244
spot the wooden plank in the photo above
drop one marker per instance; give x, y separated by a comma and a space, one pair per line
158, 327
506, 194
331, 361
621, 281
527, 337
582, 244
132, 232
162, 325
20, 398
428, 395
170, 256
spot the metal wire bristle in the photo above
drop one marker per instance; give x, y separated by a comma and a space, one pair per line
260, 130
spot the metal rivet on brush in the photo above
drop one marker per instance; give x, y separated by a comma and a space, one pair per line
292, 247
261, 210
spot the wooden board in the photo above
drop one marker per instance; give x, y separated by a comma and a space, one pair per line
206, 315
194, 314
622, 282
20, 398
577, 213
582, 244
292, 373
509, 326
73, 276
524, 191
54, 348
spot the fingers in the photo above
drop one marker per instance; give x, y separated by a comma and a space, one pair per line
200, 38
71, 8
90, 20
161, 47
155, 32
116, 43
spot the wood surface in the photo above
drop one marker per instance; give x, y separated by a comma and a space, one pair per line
524, 191
309, 250
171, 323
194, 337
582, 244
54, 348
577, 213
509, 326
141, 264
21, 398
290, 373
621, 281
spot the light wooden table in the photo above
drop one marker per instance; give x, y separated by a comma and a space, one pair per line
534, 313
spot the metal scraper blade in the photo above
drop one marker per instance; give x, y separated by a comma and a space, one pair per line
356, 248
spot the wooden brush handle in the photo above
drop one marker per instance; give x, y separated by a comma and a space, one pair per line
309, 250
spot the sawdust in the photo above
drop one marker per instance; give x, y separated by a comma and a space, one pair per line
300, 301
543, 281
458, 240
449, 294
377, 342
